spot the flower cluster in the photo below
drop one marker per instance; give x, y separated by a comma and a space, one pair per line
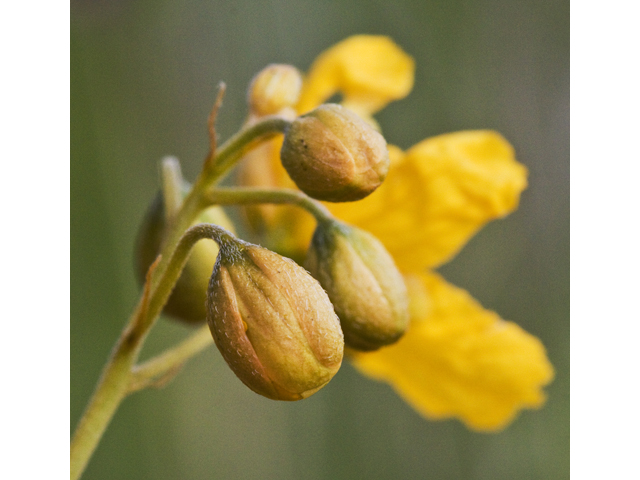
456, 359
402, 323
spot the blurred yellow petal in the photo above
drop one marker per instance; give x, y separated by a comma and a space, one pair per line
288, 228
460, 360
438, 195
256, 170
390, 197
370, 71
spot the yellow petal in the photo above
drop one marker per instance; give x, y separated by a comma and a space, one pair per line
460, 360
438, 195
288, 228
370, 71
256, 170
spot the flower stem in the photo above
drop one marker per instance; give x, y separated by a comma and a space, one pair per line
112, 386
114, 383
213, 171
161, 368
246, 139
248, 195
175, 266
111, 390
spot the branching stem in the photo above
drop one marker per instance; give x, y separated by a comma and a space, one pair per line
168, 363
115, 382
249, 195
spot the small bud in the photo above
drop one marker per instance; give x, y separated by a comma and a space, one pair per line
187, 301
274, 88
272, 322
363, 283
332, 154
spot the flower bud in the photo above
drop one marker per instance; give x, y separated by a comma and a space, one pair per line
187, 301
332, 154
272, 322
363, 283
274, 88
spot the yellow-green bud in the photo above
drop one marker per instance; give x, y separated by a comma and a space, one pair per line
332, 154
275, 88
187, 301
363, 283
272, 322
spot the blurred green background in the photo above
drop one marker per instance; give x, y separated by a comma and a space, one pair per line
143, 80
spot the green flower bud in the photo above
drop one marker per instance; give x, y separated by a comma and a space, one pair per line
272, 322
363, 283
187, 301
332, 154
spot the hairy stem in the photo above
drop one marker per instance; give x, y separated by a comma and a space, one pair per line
246, 139
170, 361
213, 171
179, 259
249, 195
112, 386
115, 380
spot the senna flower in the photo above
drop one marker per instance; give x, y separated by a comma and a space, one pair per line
456, 358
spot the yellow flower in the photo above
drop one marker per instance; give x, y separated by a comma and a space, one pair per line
369, 71
456, 358
460, 360
438, 194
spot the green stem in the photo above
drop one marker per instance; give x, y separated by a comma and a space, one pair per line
179, 259
213, 171
249, 195
158, 368
111, 390
246, 139
114, 382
